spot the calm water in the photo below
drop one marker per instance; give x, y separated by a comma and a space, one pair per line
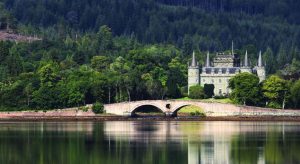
149, 142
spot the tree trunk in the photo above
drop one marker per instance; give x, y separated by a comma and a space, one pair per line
117, 100
283, 103
28, 100
129, 99
120, 93
109, 95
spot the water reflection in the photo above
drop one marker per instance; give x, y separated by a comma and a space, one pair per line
150, 142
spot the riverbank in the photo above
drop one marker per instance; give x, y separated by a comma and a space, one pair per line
120, 118
74, 114
61, 118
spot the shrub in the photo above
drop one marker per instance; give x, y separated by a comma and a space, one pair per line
83, 108
192, 113
196, 92
98, 108
274, 105
197, 113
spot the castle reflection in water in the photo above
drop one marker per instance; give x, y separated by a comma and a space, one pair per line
207, 142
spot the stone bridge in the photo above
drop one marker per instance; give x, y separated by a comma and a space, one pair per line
170, 107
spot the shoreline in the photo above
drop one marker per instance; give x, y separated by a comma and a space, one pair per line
123, 118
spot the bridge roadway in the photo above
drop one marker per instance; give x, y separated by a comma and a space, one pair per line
170, 108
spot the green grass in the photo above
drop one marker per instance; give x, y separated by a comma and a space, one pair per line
184, 98
189, 109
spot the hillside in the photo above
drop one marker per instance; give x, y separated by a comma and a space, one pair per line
211, 25
6, 36
114, 51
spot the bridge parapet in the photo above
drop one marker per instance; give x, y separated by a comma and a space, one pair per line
170, 107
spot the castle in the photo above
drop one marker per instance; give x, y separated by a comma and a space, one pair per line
223, 67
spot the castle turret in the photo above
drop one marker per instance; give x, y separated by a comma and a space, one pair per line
260, 69
193, 73
207, 60
246, 59
246, 67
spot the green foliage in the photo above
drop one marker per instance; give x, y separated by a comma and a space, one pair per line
245, 89
196, 92
198, 113
295, 94
84, 108
98, 108
99, 63
291, 71
143, 51
209, 90
275, 90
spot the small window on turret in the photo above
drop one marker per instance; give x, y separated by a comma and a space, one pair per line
220, 81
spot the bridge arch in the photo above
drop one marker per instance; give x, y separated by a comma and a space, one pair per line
138, 107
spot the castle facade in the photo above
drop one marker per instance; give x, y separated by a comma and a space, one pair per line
221, 69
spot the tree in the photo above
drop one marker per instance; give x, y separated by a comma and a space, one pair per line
176, 77
4, 50
291, 71
295, 94
197, 92
98, 108
49, 74
245, 89
275, 90
105, 39
268, 56
187, 45
14, 62
99, 63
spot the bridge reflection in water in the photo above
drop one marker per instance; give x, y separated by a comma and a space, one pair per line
207, 142
137, 142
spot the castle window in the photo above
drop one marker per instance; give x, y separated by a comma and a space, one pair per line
223, 70
220, 81
216, 70
203, 80
212, 80
232, 70
208, 70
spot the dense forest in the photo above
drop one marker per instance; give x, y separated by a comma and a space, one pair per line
113, 50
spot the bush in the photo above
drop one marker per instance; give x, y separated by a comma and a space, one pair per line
196, 92
197, 113
274, 105
83, 108
98, 108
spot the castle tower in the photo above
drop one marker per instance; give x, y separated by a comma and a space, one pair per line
246, 67
260, 69
207, 60
193, 73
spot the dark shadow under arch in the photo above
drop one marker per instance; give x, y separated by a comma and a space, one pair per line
147, 111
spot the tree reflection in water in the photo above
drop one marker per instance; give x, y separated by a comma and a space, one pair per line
149, 142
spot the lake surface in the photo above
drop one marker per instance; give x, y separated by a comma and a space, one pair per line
136, 142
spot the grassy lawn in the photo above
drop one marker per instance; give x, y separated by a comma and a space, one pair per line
225, 101
189, 109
